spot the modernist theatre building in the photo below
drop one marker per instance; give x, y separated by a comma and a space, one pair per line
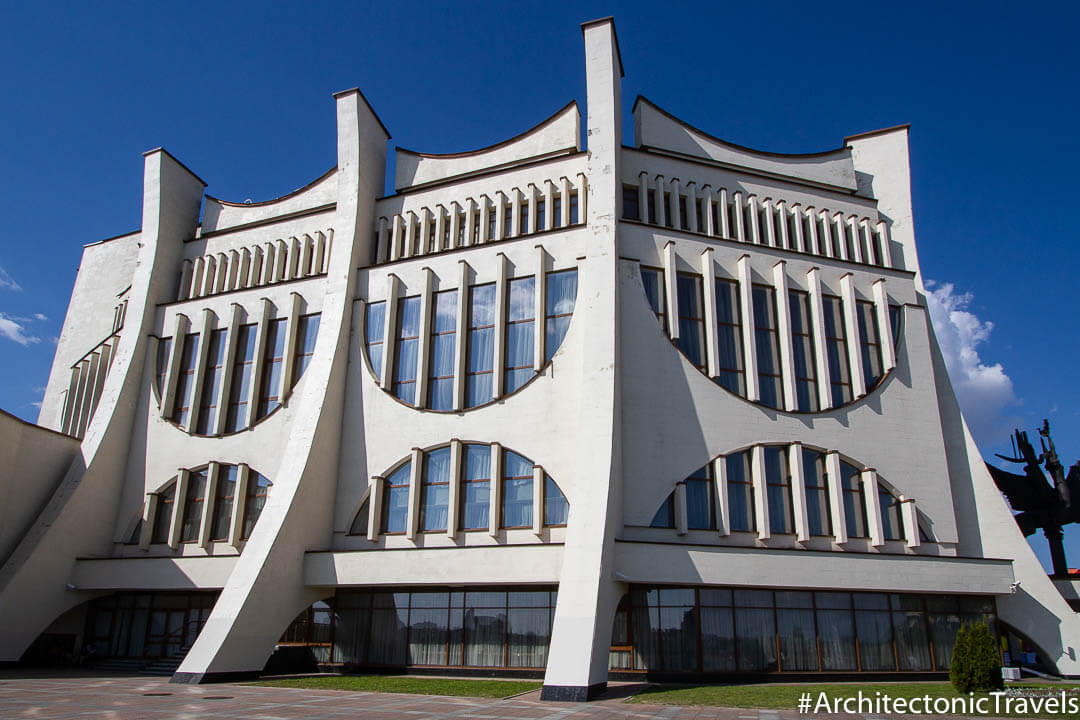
659, 404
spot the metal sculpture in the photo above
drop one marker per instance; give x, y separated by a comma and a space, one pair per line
1041, 504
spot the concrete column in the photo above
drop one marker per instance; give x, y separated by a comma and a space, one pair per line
440, 230
881, 309
322, 249
661, 206
460, 339
176, 352
746, 307
723, 514
266, 312
185, 280
149, 511
873, 508
288, 362
831, 249
423, 247
177, 518
255, 276
394, 291
708, 279
549, 204
798, 491
382, 247
538, 501
396, 244
500, 216
692, 206
761, 491
416, 475
209, 275
456, 228
679, 495
582, 196
676, 211
495, 491
883, 239
232, 280
225, 387
412, 230
856, 242
243, 278
236, 521
851, 324
770, 224
817, 318
836, 497
588, 594
670, 290
531, 192
782, 236
708, 198
753, 205
423, 359
376, 488
910, 517
741, 231
783, 332
723, 225
797, 226
813, 244
838, 233
516, 201
501, 284
643, 196
539, 307
196, 282
453, 492
471, 211
283, 260
564, 204
207, 326
209, 493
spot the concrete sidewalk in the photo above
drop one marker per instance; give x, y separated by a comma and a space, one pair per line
88, 696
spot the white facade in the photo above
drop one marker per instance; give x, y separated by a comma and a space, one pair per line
362, 359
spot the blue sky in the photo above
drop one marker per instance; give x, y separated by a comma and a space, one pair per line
241, 93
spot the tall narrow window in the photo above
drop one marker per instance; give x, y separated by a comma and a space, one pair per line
665, 515
306, 334
395, 509
556, 509
770, 382
896, 317
541, 214
273, 360
854, 500
778, 487
560, 298
892, 525
520, 326
630, 202
408, 343
215, 362
556, 212
185, 380
730, 371
574, 219
836, 350
650, 202
869, 343
374, 323
491, 224
517, 491
360, 522
254, 501
163, 515
481, 361
740, 492
508, 220
700, 504
240, 387
443, 335
523, 225
435, 490
684, 219
669, 216
691, 319
164, 348
802, 346
818, 512
224, 497
193, 506
476, 487
653, 280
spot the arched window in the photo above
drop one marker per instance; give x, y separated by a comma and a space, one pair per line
818, 511
395, 509
778, 486
435, 490
476, 483
556, 509
854, 500
360, 522
892, 524
740, 492
218, 506
517, 491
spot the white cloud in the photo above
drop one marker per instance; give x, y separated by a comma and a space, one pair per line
40, 317
7, 282
13, 330
984, 391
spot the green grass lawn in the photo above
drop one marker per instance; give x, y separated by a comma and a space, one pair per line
786, 697
411, 685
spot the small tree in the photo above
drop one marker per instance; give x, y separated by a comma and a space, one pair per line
976, 663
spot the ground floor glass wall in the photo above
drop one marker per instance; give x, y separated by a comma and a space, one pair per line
483, 628
147, 625
734, 630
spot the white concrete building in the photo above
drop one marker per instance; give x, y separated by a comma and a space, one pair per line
671, 406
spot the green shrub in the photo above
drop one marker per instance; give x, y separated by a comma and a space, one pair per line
976, 662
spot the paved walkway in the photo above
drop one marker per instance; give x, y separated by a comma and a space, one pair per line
91, 697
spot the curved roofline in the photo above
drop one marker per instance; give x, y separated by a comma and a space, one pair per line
316, 181
479, 151
734, 146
